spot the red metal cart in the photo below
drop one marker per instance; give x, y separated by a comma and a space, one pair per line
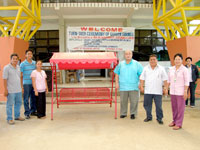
93, 95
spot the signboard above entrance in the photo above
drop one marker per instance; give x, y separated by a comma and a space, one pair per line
100, 38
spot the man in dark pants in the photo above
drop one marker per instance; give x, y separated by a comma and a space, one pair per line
153, 77
193, 76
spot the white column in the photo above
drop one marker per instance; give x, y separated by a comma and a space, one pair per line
62, 41
127, 23
5, 2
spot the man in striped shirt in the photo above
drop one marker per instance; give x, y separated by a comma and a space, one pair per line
26, 67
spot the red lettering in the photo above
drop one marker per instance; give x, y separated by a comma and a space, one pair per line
120, 29
91, 29
102, 29
108, 29
83, 28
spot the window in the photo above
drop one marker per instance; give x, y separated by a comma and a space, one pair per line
44, 43
149, 42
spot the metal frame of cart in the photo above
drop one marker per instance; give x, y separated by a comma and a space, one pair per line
92, 95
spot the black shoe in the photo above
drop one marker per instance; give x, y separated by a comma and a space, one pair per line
27, 117
33, 114
147, 120
132, 116
122, 116
160, 121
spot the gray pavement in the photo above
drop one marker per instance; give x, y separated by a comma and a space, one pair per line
93, 127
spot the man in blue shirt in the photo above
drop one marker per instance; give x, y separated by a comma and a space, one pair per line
26, 67
127, 80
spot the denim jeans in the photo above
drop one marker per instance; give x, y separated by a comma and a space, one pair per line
16, 100
29, 93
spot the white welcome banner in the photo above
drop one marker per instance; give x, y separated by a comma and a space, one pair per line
100, 38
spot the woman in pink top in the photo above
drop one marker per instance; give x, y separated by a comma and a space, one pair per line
40, 87
178, 81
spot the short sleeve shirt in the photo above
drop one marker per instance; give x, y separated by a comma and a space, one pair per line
27, 68
129, 75
153, 79
13, 77
40, 80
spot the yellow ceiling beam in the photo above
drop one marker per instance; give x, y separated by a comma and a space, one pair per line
3, 31
172, 3
168, 19
196, 30
21, 26
16, 21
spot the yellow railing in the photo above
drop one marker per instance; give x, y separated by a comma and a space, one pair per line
175, 19
27, 19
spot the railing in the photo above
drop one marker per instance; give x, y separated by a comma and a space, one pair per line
97, 1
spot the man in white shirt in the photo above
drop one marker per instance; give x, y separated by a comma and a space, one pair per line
153, 77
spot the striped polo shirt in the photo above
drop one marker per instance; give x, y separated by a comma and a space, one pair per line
27, 68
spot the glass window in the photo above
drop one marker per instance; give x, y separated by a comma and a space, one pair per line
148, 42
154, 33
145, 33
54, 42
158, 41
146, 50
41, 34
145, 41
44, 43
156, 49
53, 34
41, 50
41, 42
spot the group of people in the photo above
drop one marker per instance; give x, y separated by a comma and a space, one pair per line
27, 79
130, 77
153, 81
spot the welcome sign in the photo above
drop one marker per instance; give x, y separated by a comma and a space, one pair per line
100, 38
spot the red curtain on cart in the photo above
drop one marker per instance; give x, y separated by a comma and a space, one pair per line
90, 60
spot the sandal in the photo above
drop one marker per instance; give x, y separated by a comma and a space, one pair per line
172, 124
176, 127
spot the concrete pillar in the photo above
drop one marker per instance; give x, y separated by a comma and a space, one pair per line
8, 46
62, 41
127, 23
5, 2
